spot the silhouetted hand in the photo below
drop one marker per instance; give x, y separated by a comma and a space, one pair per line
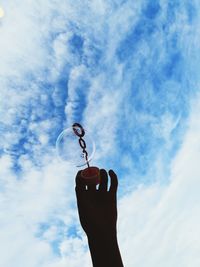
98, 216
97, 208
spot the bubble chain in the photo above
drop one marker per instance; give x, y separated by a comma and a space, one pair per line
80, 132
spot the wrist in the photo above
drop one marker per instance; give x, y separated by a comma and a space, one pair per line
104, 250
103, 238
104, 233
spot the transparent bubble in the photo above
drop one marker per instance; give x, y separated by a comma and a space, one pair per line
69, 149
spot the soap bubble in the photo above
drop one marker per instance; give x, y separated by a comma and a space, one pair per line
69, 149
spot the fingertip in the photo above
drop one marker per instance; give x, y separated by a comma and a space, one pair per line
111, 172
114, 181
103, 180
78, 176
103, 171
79, 173
80, 186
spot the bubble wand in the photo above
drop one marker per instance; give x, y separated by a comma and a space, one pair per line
80, 132
67, 147
90, 174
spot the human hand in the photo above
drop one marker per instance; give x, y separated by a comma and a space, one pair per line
98, 207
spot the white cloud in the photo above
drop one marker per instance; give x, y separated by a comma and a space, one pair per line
43, 196
163, 221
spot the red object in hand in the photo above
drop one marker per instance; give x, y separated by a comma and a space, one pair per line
91, 175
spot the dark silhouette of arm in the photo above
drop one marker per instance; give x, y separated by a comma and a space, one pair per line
98, 216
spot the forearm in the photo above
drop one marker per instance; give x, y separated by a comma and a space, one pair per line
105, 251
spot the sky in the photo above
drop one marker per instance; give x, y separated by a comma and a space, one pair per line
127, 71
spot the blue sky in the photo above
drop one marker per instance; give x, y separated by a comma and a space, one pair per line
127, 71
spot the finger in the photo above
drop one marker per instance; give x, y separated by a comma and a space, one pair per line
80, 185
103, 180
114, 181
